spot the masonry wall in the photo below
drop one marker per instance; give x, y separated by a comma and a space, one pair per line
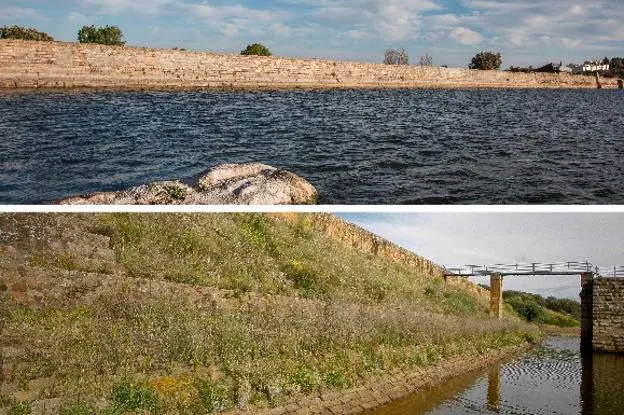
373, 244
608, 315
28, 64
370, 243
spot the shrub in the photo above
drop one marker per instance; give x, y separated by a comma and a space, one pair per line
425, 60
486, 61
304, 279
305, 378
256, 49
213, 397
107, 35
396, 57
128, 396
529, 309
20, 408
22, 33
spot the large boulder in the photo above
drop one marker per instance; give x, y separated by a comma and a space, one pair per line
228, 184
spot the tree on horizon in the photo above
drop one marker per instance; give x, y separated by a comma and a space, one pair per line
107, 35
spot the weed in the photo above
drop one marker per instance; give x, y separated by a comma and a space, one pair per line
213, 397
460, 302
19, 408
305, 378
171, 193
260, 234
77, 409
128, 395
304, 279
337, 378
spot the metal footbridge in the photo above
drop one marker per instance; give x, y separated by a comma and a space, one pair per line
534, 268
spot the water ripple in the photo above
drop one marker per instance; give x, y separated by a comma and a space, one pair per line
356, 147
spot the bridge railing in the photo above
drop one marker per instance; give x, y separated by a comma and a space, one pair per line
535, 268
615, 271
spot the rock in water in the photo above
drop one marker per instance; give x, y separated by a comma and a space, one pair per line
228, 184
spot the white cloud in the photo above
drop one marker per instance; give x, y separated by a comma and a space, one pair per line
393, 20
141, 7
466, 36
233, 20
14, 13
79, 18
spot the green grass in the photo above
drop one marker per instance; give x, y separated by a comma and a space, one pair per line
132, 396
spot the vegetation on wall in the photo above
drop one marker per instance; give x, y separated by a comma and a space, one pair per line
256, 49
22, 33
486, 61
107, 35
200, 313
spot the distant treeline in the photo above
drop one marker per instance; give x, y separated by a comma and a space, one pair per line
535, 308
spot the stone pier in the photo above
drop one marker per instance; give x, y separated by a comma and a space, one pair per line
496, 296
602, 314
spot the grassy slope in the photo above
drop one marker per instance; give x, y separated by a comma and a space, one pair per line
199, 313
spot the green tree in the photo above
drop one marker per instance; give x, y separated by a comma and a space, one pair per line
486, 61
107, 35
257, 49
528, 308
22, 33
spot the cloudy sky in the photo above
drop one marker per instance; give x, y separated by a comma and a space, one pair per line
489, 238
452, 31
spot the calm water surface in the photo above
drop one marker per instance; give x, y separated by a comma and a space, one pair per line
552, 379
356, 147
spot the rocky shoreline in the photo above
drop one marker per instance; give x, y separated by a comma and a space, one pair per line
227, 184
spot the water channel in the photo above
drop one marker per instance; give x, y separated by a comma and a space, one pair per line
550, 379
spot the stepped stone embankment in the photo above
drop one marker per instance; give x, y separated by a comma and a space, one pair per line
227, 184
29, 64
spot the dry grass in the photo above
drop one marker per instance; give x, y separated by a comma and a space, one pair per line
301, 313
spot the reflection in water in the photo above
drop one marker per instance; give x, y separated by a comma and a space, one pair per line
493, 394
602, 386
551, 379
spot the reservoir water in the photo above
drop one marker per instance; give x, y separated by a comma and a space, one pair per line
550, 379
357, 147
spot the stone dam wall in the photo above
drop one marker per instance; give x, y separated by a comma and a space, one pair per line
602, 308
372, 244
29, 64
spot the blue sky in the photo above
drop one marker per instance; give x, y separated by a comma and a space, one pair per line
451, 239
452, 31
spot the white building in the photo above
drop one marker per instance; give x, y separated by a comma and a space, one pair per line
595, 66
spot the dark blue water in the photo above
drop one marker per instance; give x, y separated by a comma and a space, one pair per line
356, 147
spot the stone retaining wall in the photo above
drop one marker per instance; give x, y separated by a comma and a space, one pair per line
370, 243
29, 64
603, 315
